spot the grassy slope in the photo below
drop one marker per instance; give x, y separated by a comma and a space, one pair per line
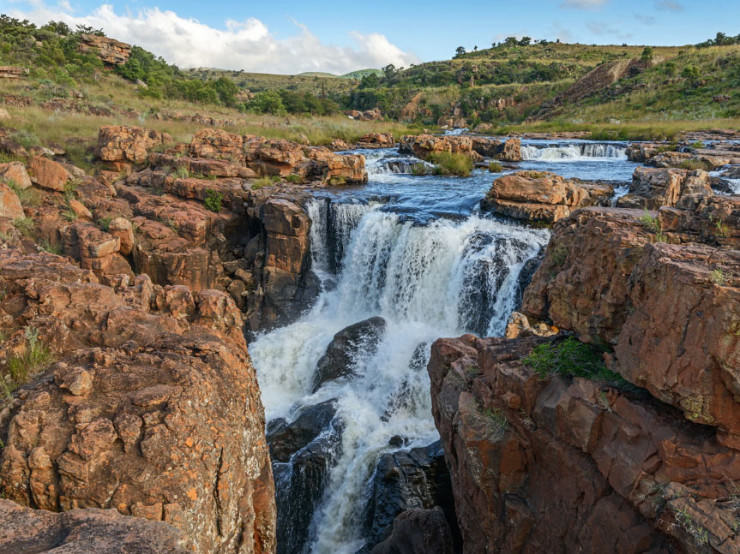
315, 83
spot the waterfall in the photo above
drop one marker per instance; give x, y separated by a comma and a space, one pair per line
574, 152
441, 279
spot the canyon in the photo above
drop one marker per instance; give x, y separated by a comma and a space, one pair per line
242, 350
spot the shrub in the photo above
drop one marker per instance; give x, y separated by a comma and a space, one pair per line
262, 182
570, 357
419, 169
718, 277
104, 223
452, 164
295, 179
213, 200
650, 222
695, 163
495, 167
182, 172
25, 225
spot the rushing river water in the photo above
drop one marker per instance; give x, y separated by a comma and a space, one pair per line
415, 251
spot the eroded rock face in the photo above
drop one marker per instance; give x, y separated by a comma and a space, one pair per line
88, 531
538, 196
567, 464
152, 406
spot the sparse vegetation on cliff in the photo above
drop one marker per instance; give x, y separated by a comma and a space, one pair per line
570, 357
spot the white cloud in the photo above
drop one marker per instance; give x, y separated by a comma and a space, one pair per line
669, 6
247, 44
586, 4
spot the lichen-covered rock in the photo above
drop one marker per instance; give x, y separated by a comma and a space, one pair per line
538, 196
152, 406
88, 531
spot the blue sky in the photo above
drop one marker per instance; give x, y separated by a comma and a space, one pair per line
289, 37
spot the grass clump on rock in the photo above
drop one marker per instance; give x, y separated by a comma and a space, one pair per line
448, 163
36, 356
570, 357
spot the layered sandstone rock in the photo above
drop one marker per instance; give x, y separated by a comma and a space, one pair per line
111, 51
422, 146
574, 465
541, 196
151, 406
279, 157
376, 140
84, 532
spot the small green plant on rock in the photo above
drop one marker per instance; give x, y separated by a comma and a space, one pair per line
27, 197
25, 225
261, 183
213, 200
699, 533
419, 169
495, 167
36, 356
294, 179
104, 223
652, 224
571, 357
182, 172
717, 276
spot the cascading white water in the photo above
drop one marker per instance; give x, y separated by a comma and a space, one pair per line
442, 279
574, 152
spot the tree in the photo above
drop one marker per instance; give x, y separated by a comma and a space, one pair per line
459, 51
475, 48
525, 41
647, 54
389, 71
510, 41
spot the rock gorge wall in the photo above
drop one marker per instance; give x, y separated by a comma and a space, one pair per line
151, 407
571, 464
149, 404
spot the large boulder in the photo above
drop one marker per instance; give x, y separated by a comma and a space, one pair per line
88, 531
539, 196
151, 406
49, 174
652, 188
418, 531
360, 339
15, 173
110, 51
423, 146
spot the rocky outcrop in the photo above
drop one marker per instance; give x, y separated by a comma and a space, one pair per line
122, 146
649, 307
84, 532
376, 140
278, 157
572, 464
340, 358
652, 188
424, 146
12, 72
151, 405
537, 196
110, 51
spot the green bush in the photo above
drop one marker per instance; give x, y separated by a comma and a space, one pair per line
495, 167
213, 200
452, 164
570, 357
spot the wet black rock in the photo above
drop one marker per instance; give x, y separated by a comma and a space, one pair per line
300, 482
418, 532
285, 438
359, 339
415, 479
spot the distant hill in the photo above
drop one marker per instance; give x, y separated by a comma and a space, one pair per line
360, 73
